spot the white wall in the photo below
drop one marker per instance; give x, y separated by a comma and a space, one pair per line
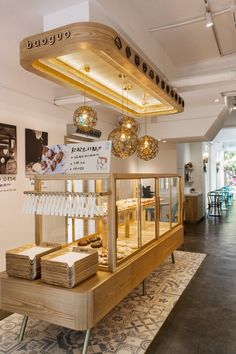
191, 152
164, 162
166, 159
206, 174
196, 159
216, 154
183, 157
24, 112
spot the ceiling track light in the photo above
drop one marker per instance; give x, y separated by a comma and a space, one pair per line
208, 16
208, 19
231, 9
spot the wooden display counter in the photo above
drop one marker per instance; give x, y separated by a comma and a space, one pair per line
133, 249
82, 307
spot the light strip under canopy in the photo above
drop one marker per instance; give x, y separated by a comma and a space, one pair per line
91, 58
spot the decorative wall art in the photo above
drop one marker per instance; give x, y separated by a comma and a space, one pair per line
34, 142
8, 165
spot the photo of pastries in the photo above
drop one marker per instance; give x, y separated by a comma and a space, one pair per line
54, 159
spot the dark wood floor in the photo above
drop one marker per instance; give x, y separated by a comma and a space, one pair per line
3, 314
204, 319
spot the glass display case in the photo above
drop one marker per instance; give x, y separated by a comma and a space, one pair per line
136, 214
119, 215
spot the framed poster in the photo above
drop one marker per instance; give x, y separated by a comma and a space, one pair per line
34, 142
8, 151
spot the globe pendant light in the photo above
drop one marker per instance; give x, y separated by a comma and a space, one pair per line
147, 146
128, 123
124, 138
85, 117
124, 142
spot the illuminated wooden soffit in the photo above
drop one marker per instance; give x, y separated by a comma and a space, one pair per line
92, 58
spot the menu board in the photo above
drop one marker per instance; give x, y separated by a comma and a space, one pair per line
92, 157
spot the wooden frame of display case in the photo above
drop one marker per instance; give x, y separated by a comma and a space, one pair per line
81, 307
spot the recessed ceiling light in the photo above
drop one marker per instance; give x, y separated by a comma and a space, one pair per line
164, 141
217, 100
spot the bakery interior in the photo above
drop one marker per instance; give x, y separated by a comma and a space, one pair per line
165, 69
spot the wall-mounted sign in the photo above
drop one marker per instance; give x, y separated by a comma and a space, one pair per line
92, 157
48, 40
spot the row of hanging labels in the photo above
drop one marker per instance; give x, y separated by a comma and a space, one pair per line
65, 204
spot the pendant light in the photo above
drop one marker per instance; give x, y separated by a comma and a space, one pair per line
147, 146
85, 117
124, 142
208, 17
209, 20
128, 123
124, 138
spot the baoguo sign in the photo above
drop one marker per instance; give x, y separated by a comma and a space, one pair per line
89, 157
48, 40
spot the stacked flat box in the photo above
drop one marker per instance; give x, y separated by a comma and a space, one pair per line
67, 268
24, 261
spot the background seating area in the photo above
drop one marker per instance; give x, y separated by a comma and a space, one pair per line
219, 200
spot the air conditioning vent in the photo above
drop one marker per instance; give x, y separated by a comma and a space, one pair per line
91, 134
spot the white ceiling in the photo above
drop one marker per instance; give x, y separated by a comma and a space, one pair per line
192, 42
189, 44
19, 19
191, 48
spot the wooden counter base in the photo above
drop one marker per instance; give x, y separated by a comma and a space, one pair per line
82, 307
